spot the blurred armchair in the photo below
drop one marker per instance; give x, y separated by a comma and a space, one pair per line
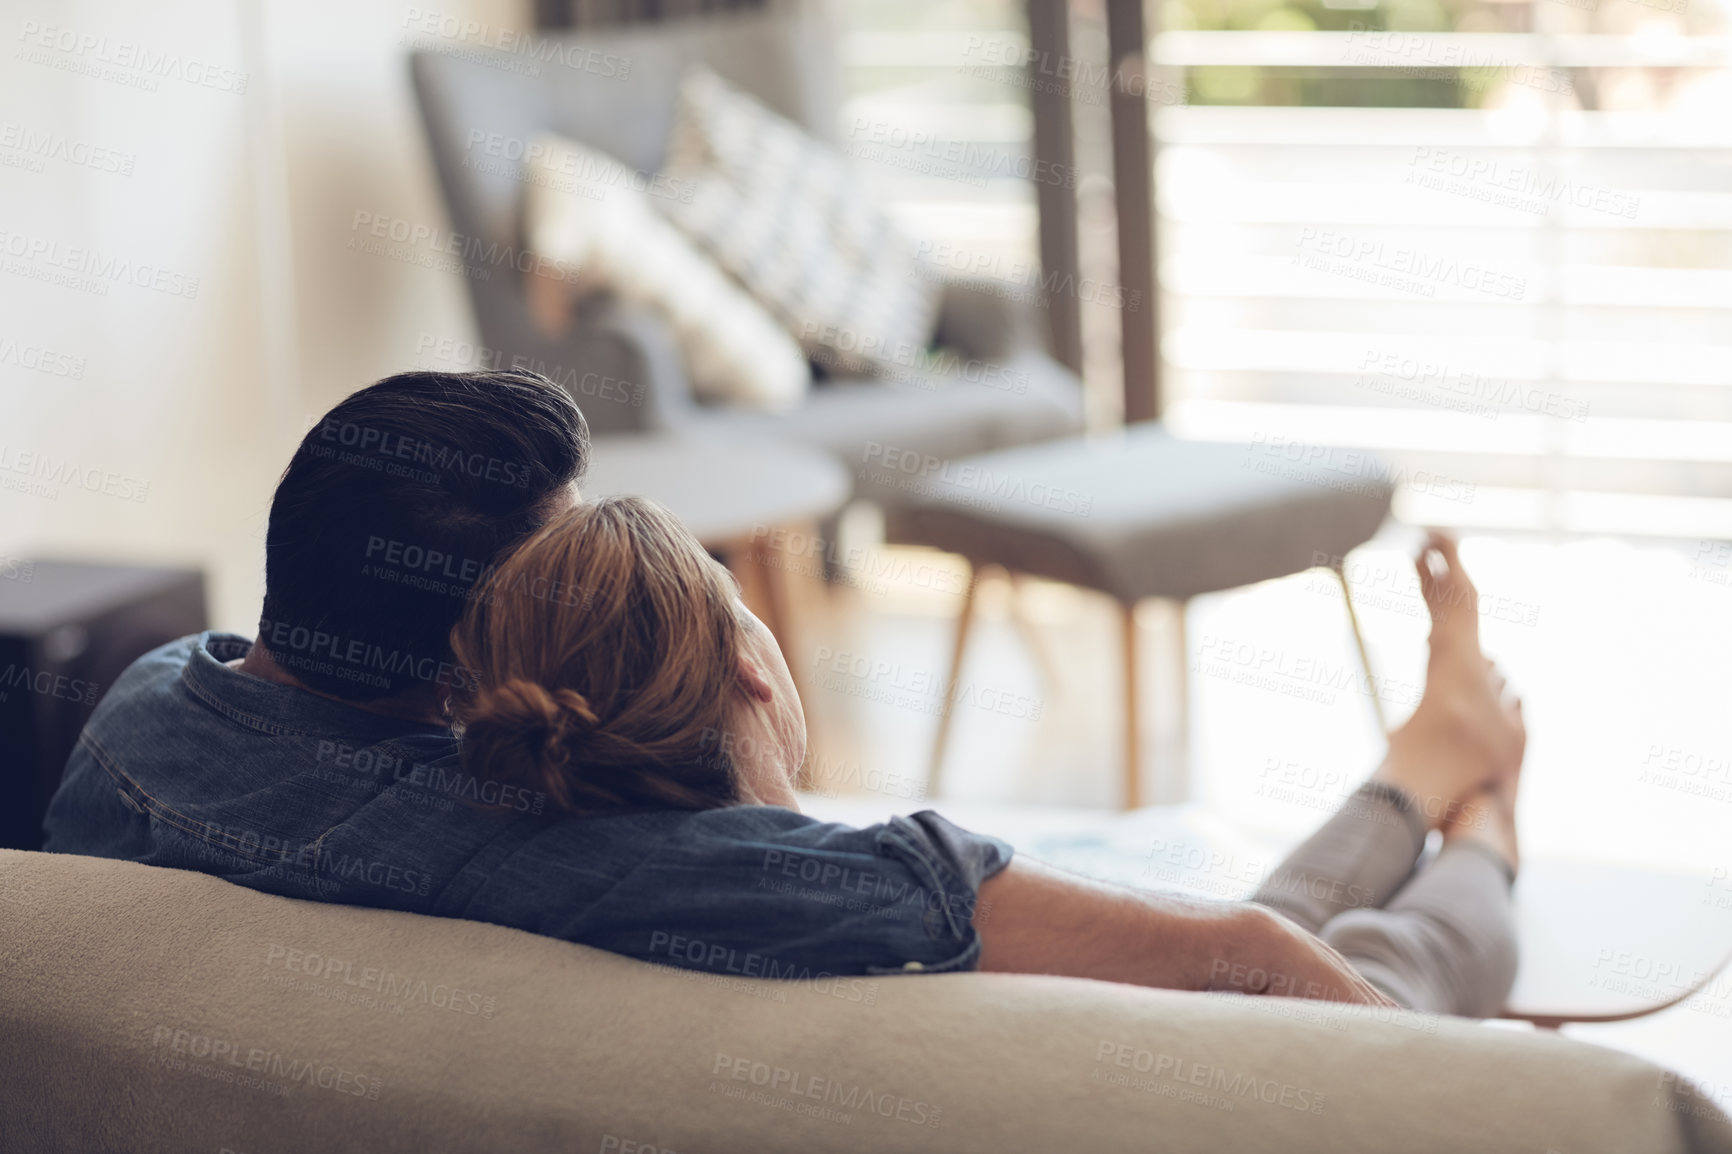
620, 361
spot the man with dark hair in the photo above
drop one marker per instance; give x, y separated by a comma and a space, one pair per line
393, 506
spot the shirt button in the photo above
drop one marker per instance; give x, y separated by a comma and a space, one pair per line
912, 967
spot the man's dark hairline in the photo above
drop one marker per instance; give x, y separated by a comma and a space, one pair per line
554, 424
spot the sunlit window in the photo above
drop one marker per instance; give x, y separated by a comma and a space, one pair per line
1491, 240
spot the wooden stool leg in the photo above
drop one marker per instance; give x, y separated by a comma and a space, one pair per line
1359, 640
1133, 796
741, 560
767, 567
963, 623
1032, 640
1179, 780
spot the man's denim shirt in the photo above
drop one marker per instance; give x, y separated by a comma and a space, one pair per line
191, 764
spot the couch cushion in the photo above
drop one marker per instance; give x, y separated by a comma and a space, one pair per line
148, 1010
942, 415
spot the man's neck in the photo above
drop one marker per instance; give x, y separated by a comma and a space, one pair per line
419, 705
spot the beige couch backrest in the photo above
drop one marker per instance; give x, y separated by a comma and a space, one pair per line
147, 1010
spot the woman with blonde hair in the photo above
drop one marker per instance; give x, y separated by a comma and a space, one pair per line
612, 670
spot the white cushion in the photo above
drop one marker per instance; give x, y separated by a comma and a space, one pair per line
147, 1010
789, 217
591, 213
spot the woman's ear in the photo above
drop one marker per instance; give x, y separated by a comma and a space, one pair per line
752, 681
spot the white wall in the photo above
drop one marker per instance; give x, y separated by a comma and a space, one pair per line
216, 151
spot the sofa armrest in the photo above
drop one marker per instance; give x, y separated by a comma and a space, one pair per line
619, 361
634, 375
990, 320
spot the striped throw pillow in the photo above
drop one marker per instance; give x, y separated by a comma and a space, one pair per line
788, 217
584, 210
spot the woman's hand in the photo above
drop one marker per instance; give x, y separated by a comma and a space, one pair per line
1035, 919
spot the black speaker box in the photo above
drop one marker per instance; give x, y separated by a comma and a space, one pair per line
68, 629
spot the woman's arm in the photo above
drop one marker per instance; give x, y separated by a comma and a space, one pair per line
1035, 919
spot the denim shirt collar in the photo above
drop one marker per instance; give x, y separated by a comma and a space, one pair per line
282, 710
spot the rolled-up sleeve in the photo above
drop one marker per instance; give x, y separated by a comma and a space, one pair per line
763, 892
954, 863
